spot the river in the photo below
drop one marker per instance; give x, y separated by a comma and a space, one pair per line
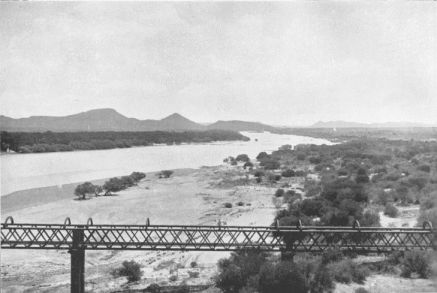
25, 171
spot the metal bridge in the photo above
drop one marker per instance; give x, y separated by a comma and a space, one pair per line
78, 238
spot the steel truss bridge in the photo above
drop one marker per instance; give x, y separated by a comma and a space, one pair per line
78, 238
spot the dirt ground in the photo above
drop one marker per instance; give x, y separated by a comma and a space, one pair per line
188, 197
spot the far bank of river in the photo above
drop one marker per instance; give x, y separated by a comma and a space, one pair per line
27, 171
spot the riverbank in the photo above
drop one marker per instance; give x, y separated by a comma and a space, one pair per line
43, 195
189, 196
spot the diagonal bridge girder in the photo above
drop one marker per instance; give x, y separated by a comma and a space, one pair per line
214, 238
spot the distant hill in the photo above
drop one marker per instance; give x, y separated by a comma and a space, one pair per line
346, 124
237, 125
97, 120
111, 120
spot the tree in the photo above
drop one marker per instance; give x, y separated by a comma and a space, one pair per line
262, 156
85, 188
288, 173
137, 176
362, 176
242, 158
113, 185
270, 164
248, 165
283, 277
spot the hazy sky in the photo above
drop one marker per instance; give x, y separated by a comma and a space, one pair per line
279, 63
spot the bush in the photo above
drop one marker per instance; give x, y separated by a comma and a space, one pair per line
279, 192
391, 211
165, 174
137, 176
416, 262
193, 274
361, 290
424, 168
173, 278
332, 255
153, 288
270, 164
370, 219
346, 271
193, 264
182, 289
259, 174
242, 158
288, 173
129, 269
281, 278
315, 160
240, 203
261, 156
228, 205
248, 165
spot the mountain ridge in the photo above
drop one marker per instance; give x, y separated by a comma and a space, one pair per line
108, 119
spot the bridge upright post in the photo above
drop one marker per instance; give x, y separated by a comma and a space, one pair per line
77, 262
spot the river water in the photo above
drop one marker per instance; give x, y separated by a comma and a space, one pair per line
25, 171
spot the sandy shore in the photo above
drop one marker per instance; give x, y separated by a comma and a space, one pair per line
188, 197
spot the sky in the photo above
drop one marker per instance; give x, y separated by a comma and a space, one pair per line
278, 63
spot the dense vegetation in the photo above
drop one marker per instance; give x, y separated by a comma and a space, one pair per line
38, 142
354, 180
343, 134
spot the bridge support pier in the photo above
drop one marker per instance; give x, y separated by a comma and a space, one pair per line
77, 263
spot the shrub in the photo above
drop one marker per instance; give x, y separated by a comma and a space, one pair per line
228, 205
424, 168
153, 288
242, 158
362, 176
279, 192
370, 219
416, 262
259, 174
261, 156
193, 274
300, 156
280, 278
193, 264
165, 174
173, 278
346, 271
299, 173
248, 165
288, 173
240, 203
332, 255
361, 290
236, 271
391, 211
129, 269
182, 289
270, 164
315, 160
137, 176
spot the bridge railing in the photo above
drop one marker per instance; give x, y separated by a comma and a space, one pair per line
226, 238
79, 238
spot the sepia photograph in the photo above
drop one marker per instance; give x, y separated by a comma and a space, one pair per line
218, 147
